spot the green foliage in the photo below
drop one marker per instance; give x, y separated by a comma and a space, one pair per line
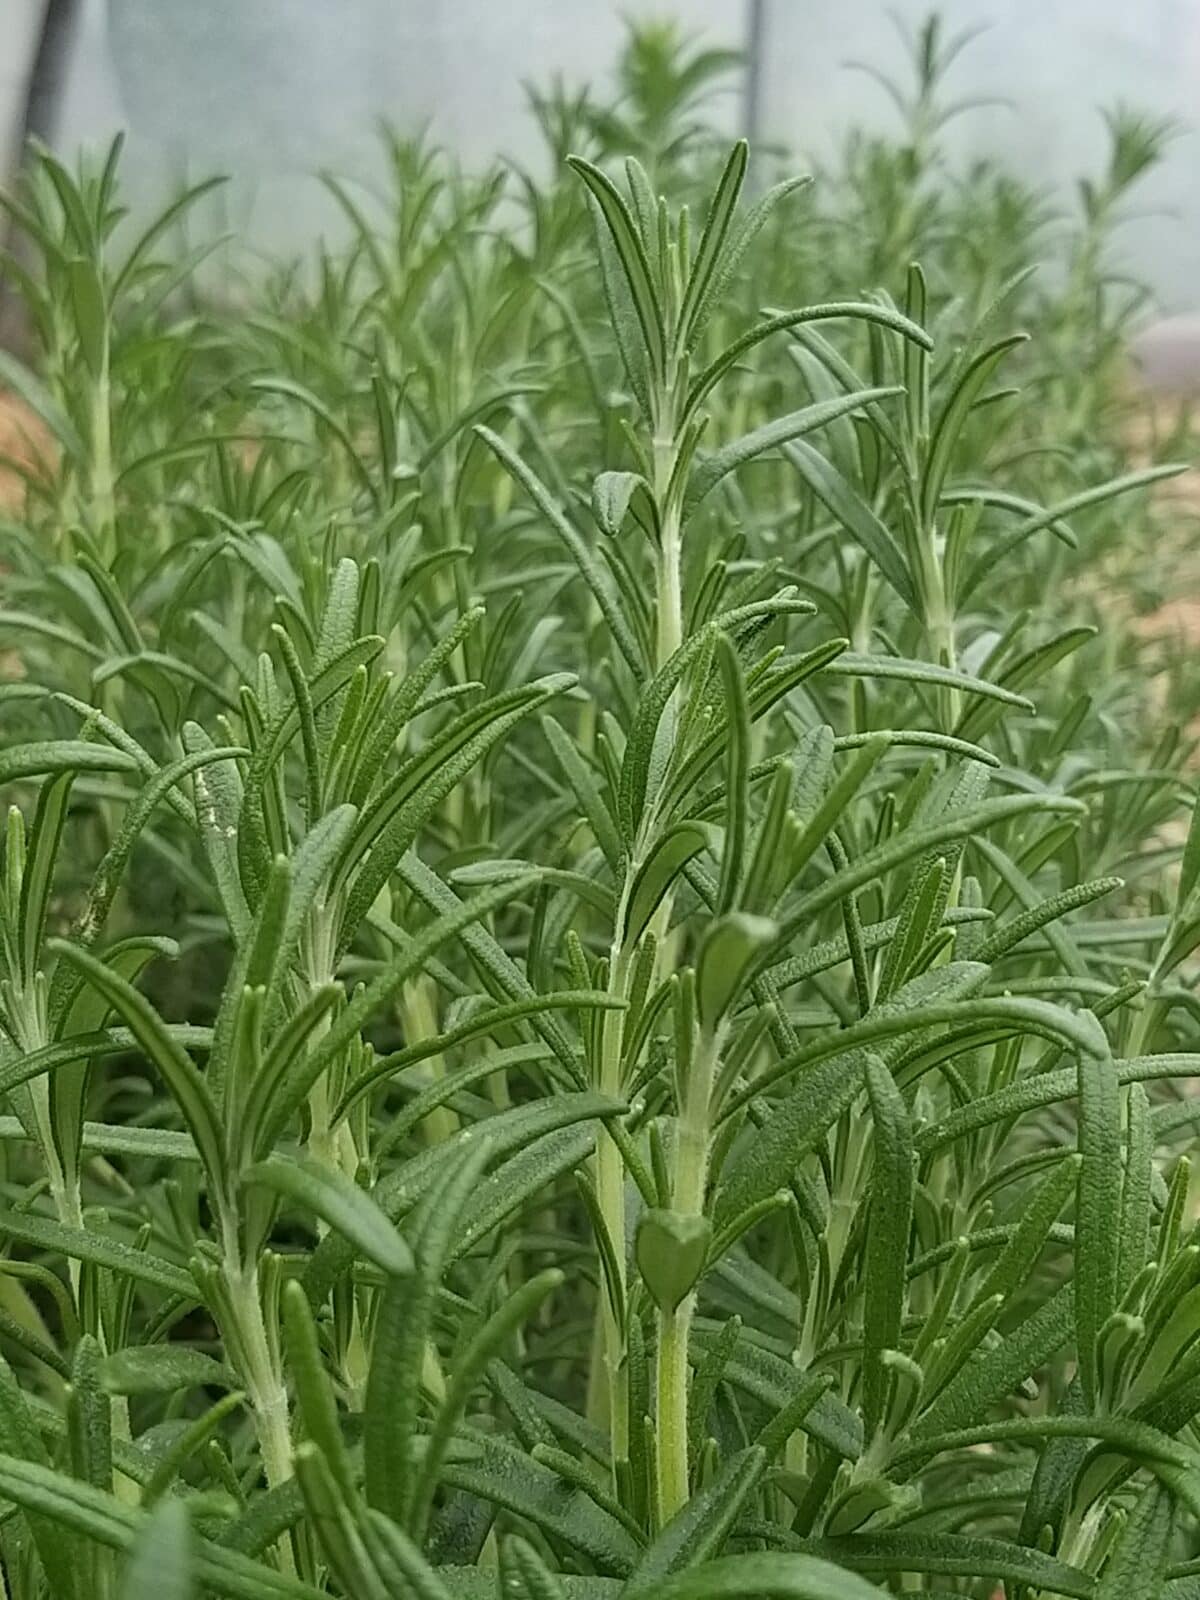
598, 924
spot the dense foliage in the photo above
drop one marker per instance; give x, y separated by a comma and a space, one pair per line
596, 916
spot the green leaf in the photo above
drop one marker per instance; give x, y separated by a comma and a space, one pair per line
525, 1576
993, 1374
218, 810
737, 775
920, 915
1097, 1207
821, 811
89, 1417
590, 570
402, 1327
1136, 1189
738, 242
1189, 867
95, 1515
1053, 516
91, 316
504, 1323
1019, 1256
853, 514
108, 875
851, 665
697, 1532
500, 1473
160, 1565
882, 316
60, 755
827, 1088
396, 1556
339, 1528
631, 253
730, 945
1137, 1565
1042, 914
38, 873
337, 1200
771, 1577
917, 841
712, 244
178, 1072
586, 790
497, 967
671, 1248
273, 1103
162, 1369
61, 1558
953, 1554
290, 389
612, 494
185, 1444
481, 1022
85, 1244
888, 1224
658, 873
775, 1384
708, 471
954, 414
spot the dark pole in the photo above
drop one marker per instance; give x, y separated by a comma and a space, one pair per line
756, 40
756, 27
43, 94
39, 118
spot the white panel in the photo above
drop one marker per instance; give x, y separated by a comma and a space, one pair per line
274, 89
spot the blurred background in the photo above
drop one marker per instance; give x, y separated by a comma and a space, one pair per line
273, 90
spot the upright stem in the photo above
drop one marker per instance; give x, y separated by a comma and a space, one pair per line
101, 483
1146, 1020
669, 598
672, 1383
31, 1032
610, 1194
689, 1182
332, 1147
670, 594
265, 1387
418, 1012
939, 624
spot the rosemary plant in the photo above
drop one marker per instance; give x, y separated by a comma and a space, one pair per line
599, 909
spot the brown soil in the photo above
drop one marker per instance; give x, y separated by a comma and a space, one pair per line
24, 439
1178, 617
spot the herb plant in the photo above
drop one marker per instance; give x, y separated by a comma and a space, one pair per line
597, 948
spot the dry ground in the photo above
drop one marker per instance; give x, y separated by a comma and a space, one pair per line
22, 436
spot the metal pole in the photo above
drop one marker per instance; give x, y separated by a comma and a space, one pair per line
39, 118
756, 44
47, 77
756, 39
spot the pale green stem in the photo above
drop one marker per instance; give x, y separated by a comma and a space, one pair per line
610, 1194
689, 1183
672, 1384
101, 481
1146, 1020
420, 1021
32, 1033
669, 634
332, 1147
265, 1387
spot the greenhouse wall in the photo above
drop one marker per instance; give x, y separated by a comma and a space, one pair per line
276, 89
